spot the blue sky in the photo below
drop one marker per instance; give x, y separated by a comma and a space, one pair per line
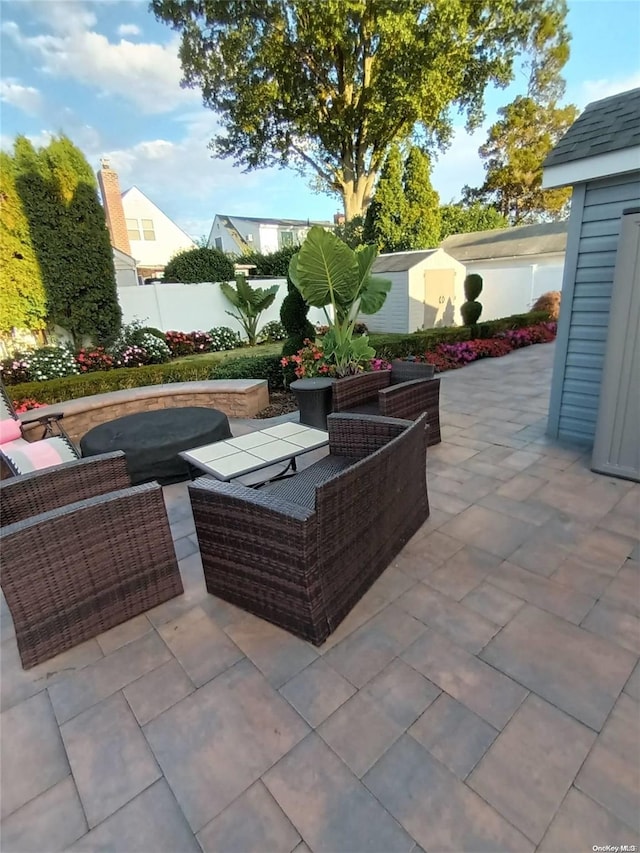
106, 73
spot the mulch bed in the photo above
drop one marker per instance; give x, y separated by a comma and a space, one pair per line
280, 403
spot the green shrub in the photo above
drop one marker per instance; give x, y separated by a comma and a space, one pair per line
223, 338
272, 264
251, 367
194, 265
471, 309
50, 363
151, 330
293, 314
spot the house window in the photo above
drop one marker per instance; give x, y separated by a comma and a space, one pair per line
147, 229
286, 238
218, 243
132, 229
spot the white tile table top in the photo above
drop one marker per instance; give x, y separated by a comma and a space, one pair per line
234, 457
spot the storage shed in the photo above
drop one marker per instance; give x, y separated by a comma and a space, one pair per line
423, 291
517, 265
595, 396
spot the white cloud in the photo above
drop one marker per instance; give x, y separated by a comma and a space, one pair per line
595, 90
144, 73
25, 98
129, 30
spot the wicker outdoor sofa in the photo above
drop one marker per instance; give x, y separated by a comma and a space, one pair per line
82, 551
301, 552
405, 391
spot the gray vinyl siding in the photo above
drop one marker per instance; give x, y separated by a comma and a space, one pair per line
393, 316
588, 278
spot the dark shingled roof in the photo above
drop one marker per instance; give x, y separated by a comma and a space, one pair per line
399, 261
541, 239
608, 125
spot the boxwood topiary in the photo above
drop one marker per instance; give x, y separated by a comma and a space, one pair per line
194, 265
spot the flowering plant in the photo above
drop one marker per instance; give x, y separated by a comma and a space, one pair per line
131, 356
309, 362
50, 363
157, 351
14, 370
26, 404
90, 360
379, 364
223, 338
180, 343
202, 341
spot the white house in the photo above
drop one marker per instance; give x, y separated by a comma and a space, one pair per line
517, 265
138, 227
126, 269
239, 234
423, 291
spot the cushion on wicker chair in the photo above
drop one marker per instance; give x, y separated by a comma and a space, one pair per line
23, 457
9, 429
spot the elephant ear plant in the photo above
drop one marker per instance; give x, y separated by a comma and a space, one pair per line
328, 273
249, 302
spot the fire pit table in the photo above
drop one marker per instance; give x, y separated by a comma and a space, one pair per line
151, 441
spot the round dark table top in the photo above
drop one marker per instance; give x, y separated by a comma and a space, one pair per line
316, 384
151, 440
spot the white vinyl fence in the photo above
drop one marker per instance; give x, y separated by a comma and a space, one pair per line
195, 307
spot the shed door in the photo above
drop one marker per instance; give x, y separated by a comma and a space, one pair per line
439, 297
616, 449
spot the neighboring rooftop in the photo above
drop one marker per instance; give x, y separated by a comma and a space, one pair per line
543, 239
400, 261
265, 220
611, 124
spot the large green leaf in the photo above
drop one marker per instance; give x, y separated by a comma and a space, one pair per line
366, 255
374, 294
231, 294
326, 270
360, 349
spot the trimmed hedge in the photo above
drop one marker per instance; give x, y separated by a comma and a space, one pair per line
88, 384
399, 346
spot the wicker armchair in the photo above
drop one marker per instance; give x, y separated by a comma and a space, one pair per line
301, 552
395, 393
82, 551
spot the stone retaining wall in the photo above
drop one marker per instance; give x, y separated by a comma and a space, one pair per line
237, 398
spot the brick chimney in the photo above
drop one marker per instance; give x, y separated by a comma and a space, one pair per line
114, 211
339, 219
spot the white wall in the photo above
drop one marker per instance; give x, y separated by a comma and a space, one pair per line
190, 307
512, 285
169, 238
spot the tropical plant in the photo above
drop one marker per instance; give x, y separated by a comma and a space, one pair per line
328, 273
250, 303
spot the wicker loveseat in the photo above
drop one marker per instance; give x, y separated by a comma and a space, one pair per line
82, 551
301, 552
405, 391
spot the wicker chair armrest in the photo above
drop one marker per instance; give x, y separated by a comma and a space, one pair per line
32, 494
358, 436
409, 399
361, 388
206, 489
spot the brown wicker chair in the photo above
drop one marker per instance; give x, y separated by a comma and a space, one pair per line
82, 551
394, 393
302, 551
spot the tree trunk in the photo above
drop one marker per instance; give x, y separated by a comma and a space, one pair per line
356, 195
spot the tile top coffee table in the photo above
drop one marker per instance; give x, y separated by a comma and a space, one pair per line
247, 453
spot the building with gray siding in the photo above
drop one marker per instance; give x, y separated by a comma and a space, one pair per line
600, 157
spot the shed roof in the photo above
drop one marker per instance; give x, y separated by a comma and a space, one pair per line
400, 261
611, 124
542, 239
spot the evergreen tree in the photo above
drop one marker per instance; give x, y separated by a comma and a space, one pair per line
422, 227
67, 222
463, 218
22, 296
386, 217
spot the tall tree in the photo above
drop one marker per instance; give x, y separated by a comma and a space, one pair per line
386, 216
423, 202
329, 86
527, 130
462, 219
67, 223
23, 302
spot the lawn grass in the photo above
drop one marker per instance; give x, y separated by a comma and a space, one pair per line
260, 350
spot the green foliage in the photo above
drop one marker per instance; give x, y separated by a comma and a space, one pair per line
272, 332
463, 218
385, 220
199, 264
153, 331
473, 286
23, 304
327, 272
351, 232
252, 367
50, 363
67, 223
330, 86
271, 264
422, 228
293, 315
249, 302
404, 213
223, 338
